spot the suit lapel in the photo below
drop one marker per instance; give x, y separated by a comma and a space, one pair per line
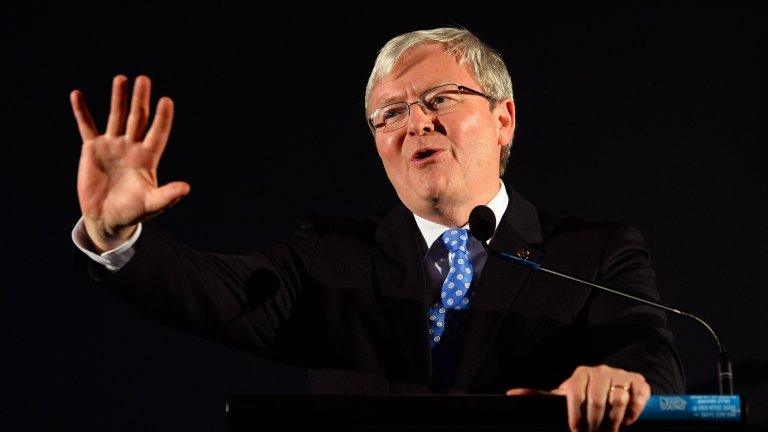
499, 284
404, 293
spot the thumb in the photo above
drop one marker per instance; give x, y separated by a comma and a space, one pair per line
165, 196
526, 392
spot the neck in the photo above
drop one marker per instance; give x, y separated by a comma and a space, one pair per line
455, 213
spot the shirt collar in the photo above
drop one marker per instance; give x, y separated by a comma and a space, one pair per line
431, 230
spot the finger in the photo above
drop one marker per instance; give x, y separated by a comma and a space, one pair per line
138, 118
157, 137
558, 392
641, 393
118, 110
618, 399
527, 392
163, 197
597, 398
574, 389
85, 123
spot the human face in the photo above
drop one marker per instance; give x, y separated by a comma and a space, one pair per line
445, 160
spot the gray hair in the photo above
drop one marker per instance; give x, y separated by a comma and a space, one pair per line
485, 63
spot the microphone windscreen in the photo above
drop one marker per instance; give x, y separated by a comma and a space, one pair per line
482, 223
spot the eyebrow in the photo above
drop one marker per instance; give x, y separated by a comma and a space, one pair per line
394, 99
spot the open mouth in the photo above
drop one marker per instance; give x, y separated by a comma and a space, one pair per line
425, 154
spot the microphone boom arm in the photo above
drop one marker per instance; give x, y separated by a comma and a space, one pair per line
724, 368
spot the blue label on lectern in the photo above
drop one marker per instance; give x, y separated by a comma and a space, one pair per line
693, 407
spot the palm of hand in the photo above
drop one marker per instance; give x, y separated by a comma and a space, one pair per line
115, 180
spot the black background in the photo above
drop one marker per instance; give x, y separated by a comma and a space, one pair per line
651, 116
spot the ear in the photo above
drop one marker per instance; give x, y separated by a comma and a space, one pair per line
504, 113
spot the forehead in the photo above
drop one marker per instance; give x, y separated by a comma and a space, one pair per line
418, 70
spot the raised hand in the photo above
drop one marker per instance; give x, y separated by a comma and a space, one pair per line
117, 176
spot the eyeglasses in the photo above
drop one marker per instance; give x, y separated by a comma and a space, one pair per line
441, 100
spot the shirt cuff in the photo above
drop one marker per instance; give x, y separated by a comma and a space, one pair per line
113, 260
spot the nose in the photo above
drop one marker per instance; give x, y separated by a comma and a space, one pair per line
421, 120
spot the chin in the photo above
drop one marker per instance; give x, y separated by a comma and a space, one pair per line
432, 186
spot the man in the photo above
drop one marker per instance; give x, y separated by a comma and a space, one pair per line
405, 304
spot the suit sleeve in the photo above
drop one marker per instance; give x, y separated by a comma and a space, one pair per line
240, 300
627, 334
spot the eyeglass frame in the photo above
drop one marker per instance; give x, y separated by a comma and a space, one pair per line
420, 100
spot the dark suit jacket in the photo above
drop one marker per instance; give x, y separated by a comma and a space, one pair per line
348, 299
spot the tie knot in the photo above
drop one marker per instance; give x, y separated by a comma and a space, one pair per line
455, 239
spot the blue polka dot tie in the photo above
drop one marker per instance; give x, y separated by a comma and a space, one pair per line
453, 296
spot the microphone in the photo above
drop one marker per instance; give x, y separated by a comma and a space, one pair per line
482, 225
